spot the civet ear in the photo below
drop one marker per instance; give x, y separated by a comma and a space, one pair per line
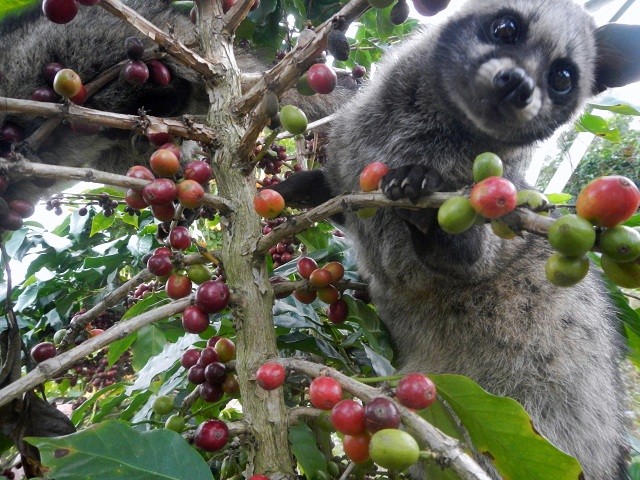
618, 61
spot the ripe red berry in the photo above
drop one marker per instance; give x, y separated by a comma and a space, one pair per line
60, 11
212, 296
381, 413
164, 163
347, 416
138, 171
160, 265
22, 207
258, 476
210, 392
356, 447
336, 269
178, 286
270, 375
325, 393
322, 78
158, 138
179, 238
208, 355
338, 311
416, 391
49, 71
215, 373
159, 73
199, 171
136, 72
190, 357
371, 176
173, 148
320, 278
196, 374
493, 197
190, 193
358, 71
306, 266
164, 213
161, 191
305, 296
328, 294
211, 435
81, 97
268, 203
133, 198
44, 94
194, 320
608, 201
43, 351
162, 251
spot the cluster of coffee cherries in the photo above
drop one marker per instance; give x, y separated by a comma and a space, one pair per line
13, 210
273, 159
601, 207
371, 431
321, 285
137, 72
284, 251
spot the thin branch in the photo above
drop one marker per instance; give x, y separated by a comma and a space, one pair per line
447, 447
26, 168
174, 47
72, 112
288, 287
236, 14
51, 368
312, 126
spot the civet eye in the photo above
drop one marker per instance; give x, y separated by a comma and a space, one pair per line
561, 79
505, 30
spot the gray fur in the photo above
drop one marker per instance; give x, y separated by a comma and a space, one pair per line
93, 42
475, 304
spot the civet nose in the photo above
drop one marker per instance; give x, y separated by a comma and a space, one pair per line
514, 86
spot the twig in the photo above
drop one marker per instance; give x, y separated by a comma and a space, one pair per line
441, 444
236, 15
72, 112
288, 287
25, 168
311, 126
347, 471
174, 47
49, 369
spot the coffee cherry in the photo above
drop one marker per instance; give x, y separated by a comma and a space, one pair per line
320, 278
416, 391
293, 119
43, 351
190, 193
67, 83
210, 392
190, 357
393, 449
49, 71
134, 48
176, 423
358, 71
11, 221
133, 198
211, 435
322, 78
215, 373
208, 355
347, 416
268, 203
572, 235
258, 476
381, 413
487, 165
212, 296
194, 320
136, 72
620, 243
138, 171
79, 99
493, 197
178, 286
270, 375
225, 349
356, 447
164, 213
303, 87
325, 393
328, 294
399, 13
338, 311
371, 176
60, 11
22, 207
456, 215
196, 374
173, 148
199, 171
164, 163
158, 138
44, 94
337, 271
162, 251
162, 405
159, 73
626, 275
199, 274
305, 296
430, 7
306, 266
566, 271
160, 265
608, 201
179, 238
161, 191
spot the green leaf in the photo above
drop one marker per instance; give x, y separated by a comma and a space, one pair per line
117, 348
559, 198
114, 451
101, 223
304, 447
622, 108
599, 127
8, 7
385, 27
500, 428
150, 342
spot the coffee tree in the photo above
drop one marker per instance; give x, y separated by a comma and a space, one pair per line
192, 326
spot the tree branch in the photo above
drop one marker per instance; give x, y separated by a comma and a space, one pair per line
174, 47
26, 168
72, 112
49, 369
236, 14
443, 445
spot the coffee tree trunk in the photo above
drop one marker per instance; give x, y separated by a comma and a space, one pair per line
252, 296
